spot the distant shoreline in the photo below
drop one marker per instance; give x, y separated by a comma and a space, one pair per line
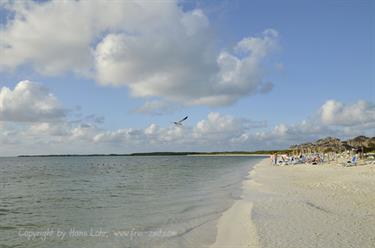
229, 155
232, 153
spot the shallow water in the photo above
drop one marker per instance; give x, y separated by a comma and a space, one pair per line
116, 201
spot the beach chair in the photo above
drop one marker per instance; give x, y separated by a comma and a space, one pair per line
352, 162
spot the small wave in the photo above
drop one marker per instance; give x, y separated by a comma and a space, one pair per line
189, 208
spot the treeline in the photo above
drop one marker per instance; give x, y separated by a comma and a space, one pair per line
260, 152
163, 153
72, 155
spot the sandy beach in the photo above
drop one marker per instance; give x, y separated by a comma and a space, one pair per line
302, 206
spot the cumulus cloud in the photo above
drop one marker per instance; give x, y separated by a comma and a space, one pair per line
333, 118
29, 102
181, 66
156, 49
33, 121
48, 129
215, 130
153, 134
223, 128
56, 36
156, 107
337, 113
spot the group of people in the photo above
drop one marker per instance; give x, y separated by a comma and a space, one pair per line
285, 159
314, 158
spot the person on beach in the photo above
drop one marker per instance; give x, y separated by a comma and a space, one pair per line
275, 158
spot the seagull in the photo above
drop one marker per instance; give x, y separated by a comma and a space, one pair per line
179, 123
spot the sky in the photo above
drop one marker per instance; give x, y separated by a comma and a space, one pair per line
111, 76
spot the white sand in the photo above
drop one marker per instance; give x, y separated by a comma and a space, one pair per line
302, 206
235, 228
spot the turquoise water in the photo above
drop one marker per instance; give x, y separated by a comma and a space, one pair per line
116, 201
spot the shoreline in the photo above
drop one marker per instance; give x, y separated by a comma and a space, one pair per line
302, 206
155, 154
235, 228
228, 155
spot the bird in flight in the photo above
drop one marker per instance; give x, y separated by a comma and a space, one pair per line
179, 123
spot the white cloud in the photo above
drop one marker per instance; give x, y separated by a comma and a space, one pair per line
337, 113
82, 132
56, 36
48, 129
280, 129
181, 68
156, 107
217, 126
39, 134
119, 136
29, 102
259, 48
153, 134
334, 119
155, 49
151, 130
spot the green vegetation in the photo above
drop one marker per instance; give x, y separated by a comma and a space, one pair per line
329, 144
262, 152
72, 155
163, 153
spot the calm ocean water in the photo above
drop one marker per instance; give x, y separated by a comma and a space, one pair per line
116, 201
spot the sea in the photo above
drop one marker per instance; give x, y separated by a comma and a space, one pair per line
117, 201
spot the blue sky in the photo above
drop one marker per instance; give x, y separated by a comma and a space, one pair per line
313, 52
